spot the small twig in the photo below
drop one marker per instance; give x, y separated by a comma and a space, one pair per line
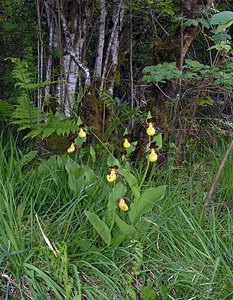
219, 172
163, 92
51, 247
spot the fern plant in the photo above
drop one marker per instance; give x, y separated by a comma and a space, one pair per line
56, 123
27, 116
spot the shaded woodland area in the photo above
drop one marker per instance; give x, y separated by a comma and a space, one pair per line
116, 173
88, 59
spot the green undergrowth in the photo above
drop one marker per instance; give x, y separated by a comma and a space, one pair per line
49, 248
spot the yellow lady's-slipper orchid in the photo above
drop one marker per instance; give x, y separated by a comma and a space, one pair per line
111, 177
122, 205
112, 174
150, 130
152, 156
126, 143
72, 148
82, 134
151, 126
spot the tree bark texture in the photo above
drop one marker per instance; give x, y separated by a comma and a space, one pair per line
70, 32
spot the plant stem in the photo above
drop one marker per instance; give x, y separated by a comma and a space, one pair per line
147, 167
101, 142
144, 177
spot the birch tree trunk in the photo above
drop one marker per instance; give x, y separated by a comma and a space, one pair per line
69, 29
61, 38
51, 28
113, 45
100, 48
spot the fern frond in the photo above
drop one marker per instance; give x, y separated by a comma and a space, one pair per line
26, 115
6, 109
54, 124
23, 77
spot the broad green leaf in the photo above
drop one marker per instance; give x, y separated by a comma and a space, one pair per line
89, 175
131, 148
99, 226
221, 37
146, 202
118, 239
132, 181
223, 27
221, 18
124, 227
92, 153
111, 161
158, 140
161, 72
188, 23
76, 180
79, 122
79, 141
75, 175
194, 65
109, 217
118, 191
230, 65
221, 46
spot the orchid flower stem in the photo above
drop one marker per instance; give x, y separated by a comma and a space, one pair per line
152, 172
113, 221
147, 168
114, 214
101, 142
144, 177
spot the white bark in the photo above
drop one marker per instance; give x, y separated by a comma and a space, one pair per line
40, 54
111, 40
70, 49
115, 51
52, 44
70, 63
100, 48
72, 71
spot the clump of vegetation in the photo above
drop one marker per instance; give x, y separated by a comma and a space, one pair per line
66, 231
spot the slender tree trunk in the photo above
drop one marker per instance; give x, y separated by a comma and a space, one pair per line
116, 19
70, 49
40, 54
71, 42
50, 59
100, 48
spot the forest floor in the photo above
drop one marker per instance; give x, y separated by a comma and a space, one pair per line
54, 244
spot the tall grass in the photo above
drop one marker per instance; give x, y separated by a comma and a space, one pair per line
181, 250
